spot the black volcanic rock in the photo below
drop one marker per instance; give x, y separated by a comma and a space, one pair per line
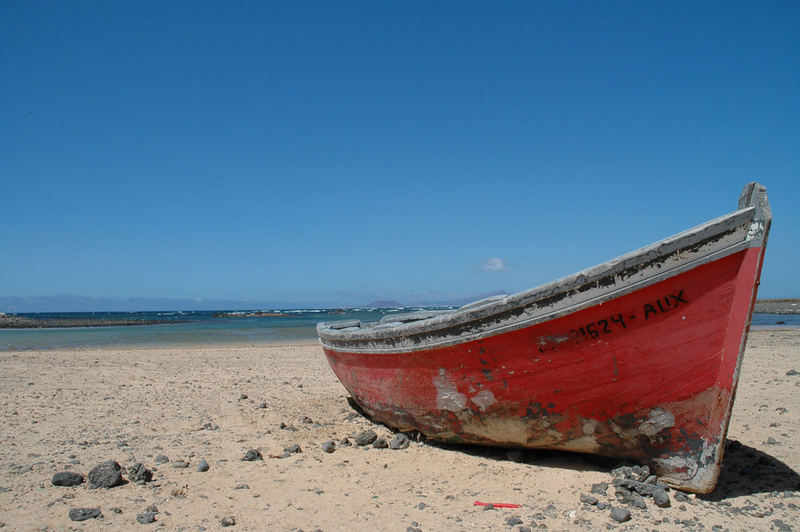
366, 438
252, 455
329, 446
106, 475
293, 448
620, 515
139, 473
67, 478
146, 517
82, 514
399, 441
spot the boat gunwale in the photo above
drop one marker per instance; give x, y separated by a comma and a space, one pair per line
753, 207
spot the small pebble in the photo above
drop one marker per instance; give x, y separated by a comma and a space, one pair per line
293, 448
139, 473
620, 514
67, 478
380, 443
661, 498
329, 446
638, 501
399, 441
202, 466
161, 459
82, 514
252, 455
146, 518
366, 438
227, 521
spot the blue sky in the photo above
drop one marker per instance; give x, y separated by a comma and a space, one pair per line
339, 152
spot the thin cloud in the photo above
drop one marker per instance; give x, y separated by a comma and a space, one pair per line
494, 264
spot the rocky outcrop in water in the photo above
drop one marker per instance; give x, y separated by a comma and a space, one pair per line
19, 322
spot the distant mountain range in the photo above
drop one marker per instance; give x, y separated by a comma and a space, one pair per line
73, 303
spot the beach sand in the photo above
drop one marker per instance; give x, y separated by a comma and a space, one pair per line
72, 410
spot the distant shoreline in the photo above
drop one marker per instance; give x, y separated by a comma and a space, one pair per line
18, 322
777, 306
258, 314
784, 306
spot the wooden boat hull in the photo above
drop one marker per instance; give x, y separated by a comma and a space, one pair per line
646, 373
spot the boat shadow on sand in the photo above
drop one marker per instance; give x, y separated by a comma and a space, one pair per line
745, 470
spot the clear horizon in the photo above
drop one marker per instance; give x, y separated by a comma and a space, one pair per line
73, 303
341, 153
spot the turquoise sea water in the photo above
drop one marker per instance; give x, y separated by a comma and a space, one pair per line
203, 328
199, 327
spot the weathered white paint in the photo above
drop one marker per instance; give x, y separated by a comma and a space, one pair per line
657, 421
447, 395
483, 399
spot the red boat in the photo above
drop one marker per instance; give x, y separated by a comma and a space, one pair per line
637, 358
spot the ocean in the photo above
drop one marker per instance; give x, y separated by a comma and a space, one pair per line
196, 327
202, 328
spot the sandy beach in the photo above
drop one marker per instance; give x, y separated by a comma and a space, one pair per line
72, 410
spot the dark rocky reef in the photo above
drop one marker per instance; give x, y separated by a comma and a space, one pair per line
19, 322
